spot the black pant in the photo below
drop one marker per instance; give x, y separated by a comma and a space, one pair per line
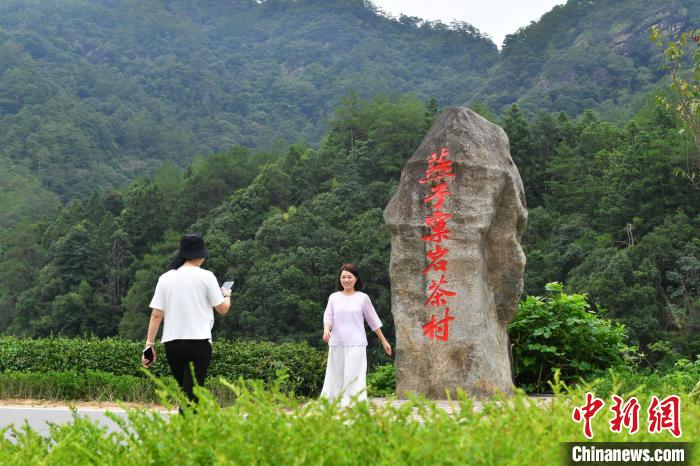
180, 353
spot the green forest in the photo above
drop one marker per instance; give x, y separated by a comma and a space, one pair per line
279, 130
96, 93
608, 216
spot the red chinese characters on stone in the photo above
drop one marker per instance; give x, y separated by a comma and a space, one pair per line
438, 167
665, 415
439, 232
438, 292
440, 192
437, 224
626, 415
436, 259
438, 172
439, 329
587, 412
438, 218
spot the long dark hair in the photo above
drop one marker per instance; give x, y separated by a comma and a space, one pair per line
359, 284
176, 263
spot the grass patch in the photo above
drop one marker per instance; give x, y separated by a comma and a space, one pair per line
267, 425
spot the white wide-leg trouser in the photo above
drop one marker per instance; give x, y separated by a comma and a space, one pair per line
346, 374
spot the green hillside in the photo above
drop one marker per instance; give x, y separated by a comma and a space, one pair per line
608, 216
279, 130
586, 55
94, 93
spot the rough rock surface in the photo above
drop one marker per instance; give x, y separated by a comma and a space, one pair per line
484, 265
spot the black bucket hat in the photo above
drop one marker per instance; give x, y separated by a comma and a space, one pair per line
192, 247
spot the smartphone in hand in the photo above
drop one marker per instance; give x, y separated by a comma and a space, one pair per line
148, 355
227, 285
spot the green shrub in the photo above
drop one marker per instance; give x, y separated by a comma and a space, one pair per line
561, 332
96, 386
625, 380
112, 355
72, 385
268, 427
231, 359
305, 365
381, 381
695, 393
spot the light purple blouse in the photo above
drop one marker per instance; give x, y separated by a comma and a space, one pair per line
346, 315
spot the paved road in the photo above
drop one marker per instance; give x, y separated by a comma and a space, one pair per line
39, 418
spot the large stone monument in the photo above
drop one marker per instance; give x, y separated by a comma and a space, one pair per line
456, 263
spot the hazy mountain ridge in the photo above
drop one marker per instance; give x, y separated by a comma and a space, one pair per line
586, 55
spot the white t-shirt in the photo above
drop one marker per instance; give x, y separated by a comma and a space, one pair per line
186, 296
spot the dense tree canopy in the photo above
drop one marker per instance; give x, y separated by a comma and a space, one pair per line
96, 93
279, 129
608, 217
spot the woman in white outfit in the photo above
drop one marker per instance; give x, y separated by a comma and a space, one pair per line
344, 331
183, 299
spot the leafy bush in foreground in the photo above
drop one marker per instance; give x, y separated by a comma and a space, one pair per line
269, 427
561, 332
381, 381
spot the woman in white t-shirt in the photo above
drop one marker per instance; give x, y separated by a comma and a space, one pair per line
183, 300
344, 331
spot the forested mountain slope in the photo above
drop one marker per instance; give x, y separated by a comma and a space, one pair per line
586, 55
608, 216
94, 93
